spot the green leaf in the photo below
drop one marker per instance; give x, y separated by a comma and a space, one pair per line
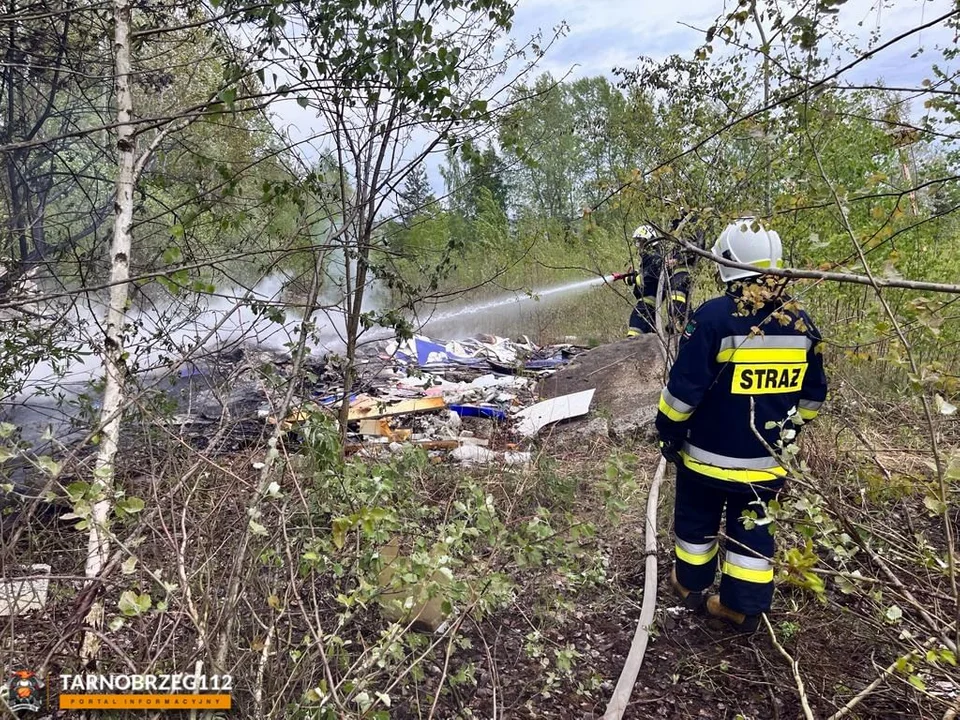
256, 528
944, 407
934, 505
116, 623
894, 614
6, 429
129, 566
340, 527
129, 506
303, 102
273, 490
77, 490
131, 604
917, 682
953, 469
364, 700
48, 465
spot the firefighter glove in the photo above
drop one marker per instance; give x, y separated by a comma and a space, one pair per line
670, 449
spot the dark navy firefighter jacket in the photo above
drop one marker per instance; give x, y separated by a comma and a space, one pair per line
724, 361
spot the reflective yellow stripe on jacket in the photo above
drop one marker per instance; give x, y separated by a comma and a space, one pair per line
764, 349
675, 409
723, 467
809, 409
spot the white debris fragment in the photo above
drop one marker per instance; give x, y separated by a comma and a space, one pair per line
19, 596
517, 458
473, 454
472, 440
533, 418
499, 381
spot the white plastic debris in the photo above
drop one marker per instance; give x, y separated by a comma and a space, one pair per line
533, 418
471, 440
517, 458
21, 596
473, 454
502, 381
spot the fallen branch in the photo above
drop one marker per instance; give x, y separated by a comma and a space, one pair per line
925, 401
631, 667
874, 282
795, 667
934, 625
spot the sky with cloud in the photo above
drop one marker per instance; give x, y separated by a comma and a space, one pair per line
601, 35
604, 34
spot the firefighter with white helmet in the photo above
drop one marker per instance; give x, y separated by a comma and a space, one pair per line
655, 253
748, 368
745, 241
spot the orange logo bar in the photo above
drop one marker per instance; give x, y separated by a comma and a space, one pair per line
208, 701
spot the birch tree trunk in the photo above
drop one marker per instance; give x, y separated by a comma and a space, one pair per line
98, 546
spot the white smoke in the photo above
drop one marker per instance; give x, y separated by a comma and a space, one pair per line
161, 334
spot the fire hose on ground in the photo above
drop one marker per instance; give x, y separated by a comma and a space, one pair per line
631, 666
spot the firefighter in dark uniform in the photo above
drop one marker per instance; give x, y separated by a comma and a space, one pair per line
654, 254
680, 266
748, 359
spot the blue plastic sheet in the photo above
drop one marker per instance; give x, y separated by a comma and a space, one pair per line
483, 411
431, 353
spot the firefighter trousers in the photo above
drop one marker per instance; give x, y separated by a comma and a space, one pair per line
746, 583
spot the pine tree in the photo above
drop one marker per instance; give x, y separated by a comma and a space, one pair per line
416, 196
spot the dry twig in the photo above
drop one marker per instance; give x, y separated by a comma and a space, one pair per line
795, 667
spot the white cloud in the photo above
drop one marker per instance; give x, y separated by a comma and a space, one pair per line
604, 34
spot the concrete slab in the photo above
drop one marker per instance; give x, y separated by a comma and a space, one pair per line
20, 596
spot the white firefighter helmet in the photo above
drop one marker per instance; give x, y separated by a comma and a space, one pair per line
746, 241
646, 235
